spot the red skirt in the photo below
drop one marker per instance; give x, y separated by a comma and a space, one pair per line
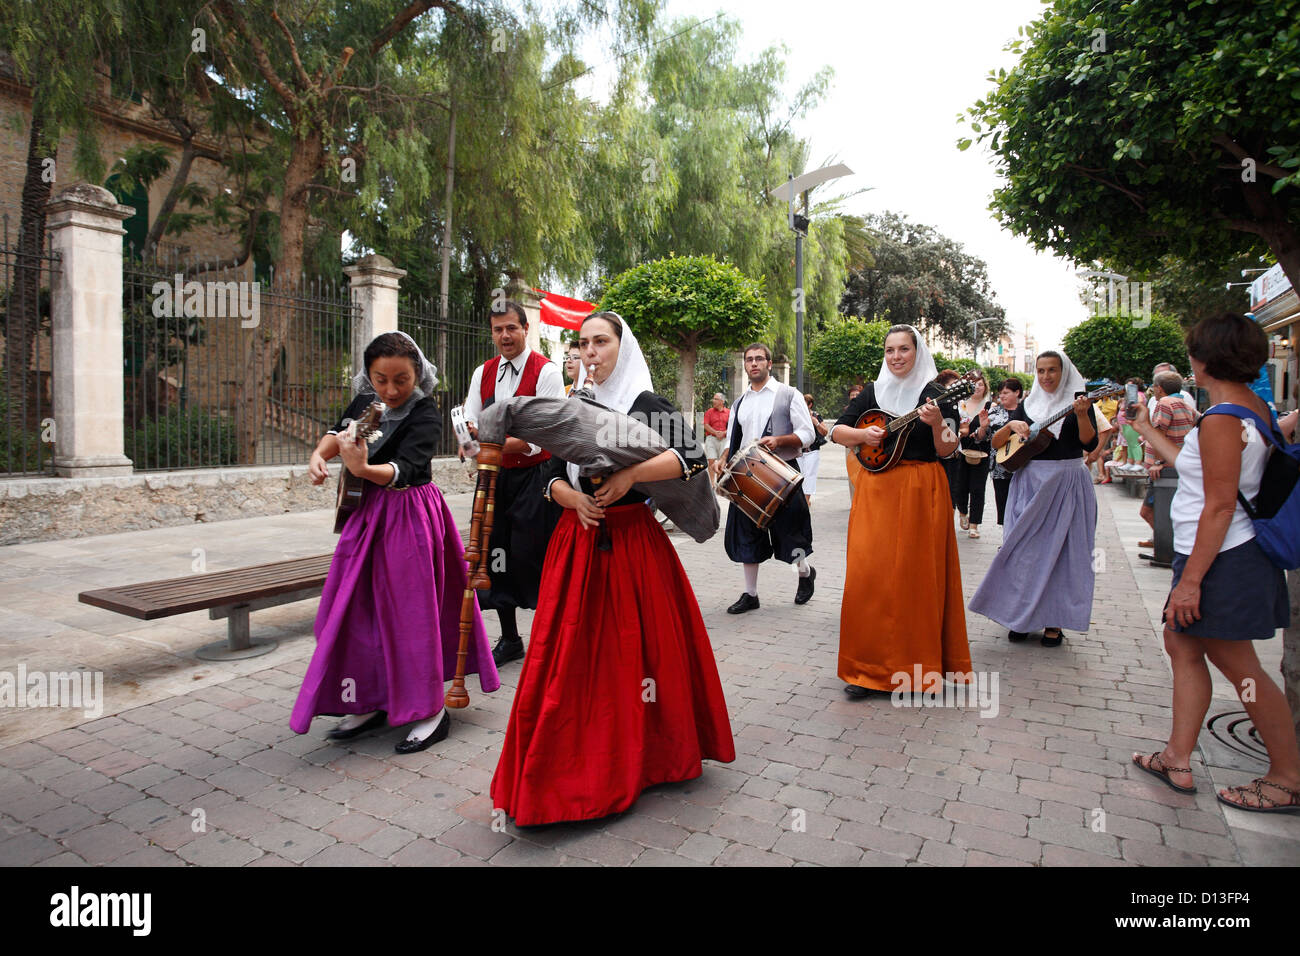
619, 690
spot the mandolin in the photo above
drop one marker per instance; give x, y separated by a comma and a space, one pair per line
350, 486
885, 456
1018, 452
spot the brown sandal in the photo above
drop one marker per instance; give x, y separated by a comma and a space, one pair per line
1265, 804
1163, 772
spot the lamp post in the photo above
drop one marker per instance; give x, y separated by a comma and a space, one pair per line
799, 226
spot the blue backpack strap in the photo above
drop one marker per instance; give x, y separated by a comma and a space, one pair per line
1269, 430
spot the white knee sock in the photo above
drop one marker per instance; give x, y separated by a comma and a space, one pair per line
355, 720
804, 567
751, 579
421, 730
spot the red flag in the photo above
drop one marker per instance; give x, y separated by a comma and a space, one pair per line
565, 312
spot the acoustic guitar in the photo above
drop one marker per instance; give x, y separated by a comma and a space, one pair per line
886, 455
350, 486
1018, 452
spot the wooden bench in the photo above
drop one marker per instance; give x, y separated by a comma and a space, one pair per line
228, 594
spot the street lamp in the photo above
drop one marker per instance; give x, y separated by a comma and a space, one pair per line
975, 333
799, 226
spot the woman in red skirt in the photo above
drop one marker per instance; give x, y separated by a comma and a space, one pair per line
619, 690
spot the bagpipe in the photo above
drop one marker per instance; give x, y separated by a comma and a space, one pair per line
600, 441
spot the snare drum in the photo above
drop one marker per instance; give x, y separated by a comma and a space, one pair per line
758, 482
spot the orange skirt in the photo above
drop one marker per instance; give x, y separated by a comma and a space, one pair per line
903, 603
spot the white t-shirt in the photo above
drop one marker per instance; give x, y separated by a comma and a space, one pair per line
1189, 499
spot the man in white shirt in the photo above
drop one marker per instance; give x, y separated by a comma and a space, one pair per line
524, 519
777, 417
1183, 394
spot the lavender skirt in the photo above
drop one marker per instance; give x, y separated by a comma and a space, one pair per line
388, 628
1043, 574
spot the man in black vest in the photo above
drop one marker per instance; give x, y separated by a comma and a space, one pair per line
777, 416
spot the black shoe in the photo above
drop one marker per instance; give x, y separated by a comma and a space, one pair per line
1015, 637
507, 650
747, 602
853, 690
805, 590
409, 746
1052, 641
378, 720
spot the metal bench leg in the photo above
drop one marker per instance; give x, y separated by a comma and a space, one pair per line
239, 644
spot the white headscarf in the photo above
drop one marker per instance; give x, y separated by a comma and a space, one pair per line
1040, 404
968, 408
631, 377
898, 396
361, 384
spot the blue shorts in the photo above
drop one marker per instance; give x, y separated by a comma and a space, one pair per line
1243, 596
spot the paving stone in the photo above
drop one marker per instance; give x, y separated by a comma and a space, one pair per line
1080, 838
739, 854
62, 822
702, 847
104, 843
25, 849
218, 849
293, 841
881, 839
803, 846
353, 827
386, 841
996, 842
920, 824
340, 855
650, 833
604, 849
421, 852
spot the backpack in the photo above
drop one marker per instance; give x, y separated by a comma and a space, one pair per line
1275, 512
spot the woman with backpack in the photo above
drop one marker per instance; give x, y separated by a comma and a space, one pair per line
1227, 592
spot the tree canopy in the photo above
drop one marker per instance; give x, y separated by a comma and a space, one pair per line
920, 277
689, 302
1132, 131
1117, 347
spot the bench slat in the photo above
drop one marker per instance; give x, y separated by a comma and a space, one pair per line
154, 599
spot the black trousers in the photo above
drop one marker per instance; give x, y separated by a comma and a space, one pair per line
968, 494
1001, 487
521, 531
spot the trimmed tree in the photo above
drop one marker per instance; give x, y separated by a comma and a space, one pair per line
848, 351
1121, 347
687, 303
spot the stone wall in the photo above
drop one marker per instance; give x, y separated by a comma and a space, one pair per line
50, 509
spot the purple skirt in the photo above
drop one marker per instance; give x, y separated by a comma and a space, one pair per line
388, 628
1043, 574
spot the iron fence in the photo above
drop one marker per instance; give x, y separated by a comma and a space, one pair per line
222, 368
456, 344
27, 427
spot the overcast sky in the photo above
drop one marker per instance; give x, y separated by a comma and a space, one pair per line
903, 73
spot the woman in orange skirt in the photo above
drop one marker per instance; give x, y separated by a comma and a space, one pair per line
903, 605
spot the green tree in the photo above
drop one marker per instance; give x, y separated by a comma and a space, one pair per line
54, 45
918, 276
1121, 347
1132, 131
847, 351
688, 303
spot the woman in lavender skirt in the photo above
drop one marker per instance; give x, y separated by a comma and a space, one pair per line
388, 628
1043, 576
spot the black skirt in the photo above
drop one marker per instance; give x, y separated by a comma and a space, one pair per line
521, 531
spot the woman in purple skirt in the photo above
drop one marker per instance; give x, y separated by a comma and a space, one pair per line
1042, 577
388, 628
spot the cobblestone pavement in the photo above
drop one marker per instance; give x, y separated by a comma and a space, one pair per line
194, 763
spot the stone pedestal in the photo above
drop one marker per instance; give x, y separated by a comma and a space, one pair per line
85, 224
374, 282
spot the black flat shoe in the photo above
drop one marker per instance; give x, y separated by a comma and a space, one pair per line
378, 720
856, 692
805, 590
1052, 641
747, 602
1015, 637
507, 650
409, 746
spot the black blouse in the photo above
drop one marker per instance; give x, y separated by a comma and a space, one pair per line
409, 444
920, 440
658, 413
1068, 445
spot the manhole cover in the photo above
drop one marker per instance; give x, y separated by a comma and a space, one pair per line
1233, 733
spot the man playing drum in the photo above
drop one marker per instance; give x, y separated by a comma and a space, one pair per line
777, 417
